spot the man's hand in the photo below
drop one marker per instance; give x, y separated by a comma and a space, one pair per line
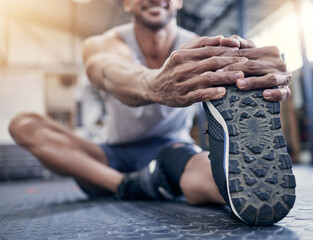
236, 41
189, 74
264, 69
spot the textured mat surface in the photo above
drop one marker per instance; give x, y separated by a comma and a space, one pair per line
58, 210
18, 163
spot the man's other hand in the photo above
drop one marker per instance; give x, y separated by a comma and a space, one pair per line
264, 69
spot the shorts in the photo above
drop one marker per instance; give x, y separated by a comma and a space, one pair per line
132, 157
127, 158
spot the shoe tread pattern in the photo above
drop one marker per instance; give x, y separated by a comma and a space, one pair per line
261, 182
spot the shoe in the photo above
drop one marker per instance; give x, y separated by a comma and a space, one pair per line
249, 159
150, 183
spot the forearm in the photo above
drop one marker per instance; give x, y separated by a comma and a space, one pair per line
125, 80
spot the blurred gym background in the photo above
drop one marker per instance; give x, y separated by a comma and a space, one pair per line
41, 68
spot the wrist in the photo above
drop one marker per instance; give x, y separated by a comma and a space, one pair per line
150, 93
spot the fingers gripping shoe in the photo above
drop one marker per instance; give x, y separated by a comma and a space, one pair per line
249, 159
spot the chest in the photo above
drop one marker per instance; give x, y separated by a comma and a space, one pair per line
154, 63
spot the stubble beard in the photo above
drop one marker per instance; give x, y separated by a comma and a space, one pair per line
154, 26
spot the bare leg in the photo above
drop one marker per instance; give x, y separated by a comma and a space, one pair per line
197, 181
62, 152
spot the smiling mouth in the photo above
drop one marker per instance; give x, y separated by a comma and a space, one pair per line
155, 6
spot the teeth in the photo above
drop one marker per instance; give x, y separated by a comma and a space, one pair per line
156, 8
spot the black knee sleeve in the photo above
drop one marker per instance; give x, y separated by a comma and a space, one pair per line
148, 183
173, 160
160, 179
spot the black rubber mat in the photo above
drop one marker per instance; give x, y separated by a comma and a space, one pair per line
59, 210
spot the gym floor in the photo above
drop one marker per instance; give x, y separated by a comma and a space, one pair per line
59, 210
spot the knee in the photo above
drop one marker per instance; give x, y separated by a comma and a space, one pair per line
22, 127
197, 182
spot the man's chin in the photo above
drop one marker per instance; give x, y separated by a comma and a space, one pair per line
154, 25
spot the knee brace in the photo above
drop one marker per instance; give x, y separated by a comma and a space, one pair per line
160, 179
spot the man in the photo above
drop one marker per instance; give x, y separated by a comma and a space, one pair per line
148, 71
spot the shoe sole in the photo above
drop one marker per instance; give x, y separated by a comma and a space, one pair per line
260, 183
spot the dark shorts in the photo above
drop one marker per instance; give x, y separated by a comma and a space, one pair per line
134, 156
129, 157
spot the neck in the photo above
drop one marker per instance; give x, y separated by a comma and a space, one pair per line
156, 45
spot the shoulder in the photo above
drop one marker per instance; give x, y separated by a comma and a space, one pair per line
184, 36
187, 33
110, 41
113, 35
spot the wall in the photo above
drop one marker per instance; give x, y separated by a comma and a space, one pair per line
33, 51
21, 90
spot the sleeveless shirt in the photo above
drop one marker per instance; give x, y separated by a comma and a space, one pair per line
124, 124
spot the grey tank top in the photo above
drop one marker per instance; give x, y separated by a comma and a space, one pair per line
126, 124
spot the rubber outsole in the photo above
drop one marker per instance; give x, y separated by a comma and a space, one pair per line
261, 185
